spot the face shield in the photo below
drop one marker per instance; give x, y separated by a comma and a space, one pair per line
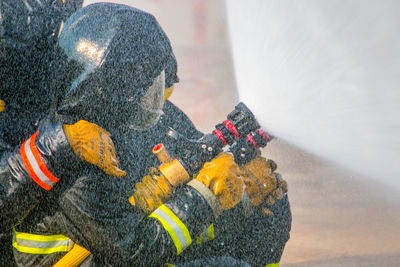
149, 108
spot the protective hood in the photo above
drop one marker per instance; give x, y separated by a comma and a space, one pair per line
28, 37
28, 32
114, 54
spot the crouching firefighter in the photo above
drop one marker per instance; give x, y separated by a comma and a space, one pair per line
94, 213
31, 163
115, 56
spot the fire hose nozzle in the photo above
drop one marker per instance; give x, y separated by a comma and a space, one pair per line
171, 168
162, 154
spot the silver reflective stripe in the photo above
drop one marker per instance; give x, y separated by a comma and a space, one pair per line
40, 244
35, 165
175, 227
208, 196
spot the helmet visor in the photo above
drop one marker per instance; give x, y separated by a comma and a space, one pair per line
149, 108
155, 94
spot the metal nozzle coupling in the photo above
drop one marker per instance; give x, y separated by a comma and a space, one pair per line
162, 154
171, 168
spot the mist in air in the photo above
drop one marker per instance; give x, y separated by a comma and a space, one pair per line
324, 76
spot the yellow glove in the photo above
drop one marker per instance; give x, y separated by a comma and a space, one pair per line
263, 185
94, 145
151, 192
2, 106
222, 176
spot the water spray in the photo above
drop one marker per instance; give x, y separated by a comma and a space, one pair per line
324, 77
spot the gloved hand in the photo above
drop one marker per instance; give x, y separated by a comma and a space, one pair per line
263, 185
94, 145
222, 176
152, 191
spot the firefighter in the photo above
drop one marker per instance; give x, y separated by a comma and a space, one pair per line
122, 55
30, 166
256, 236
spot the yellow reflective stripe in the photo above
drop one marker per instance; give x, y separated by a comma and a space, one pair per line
174, 226
208, 232
42, 238
273, 265
40, 244
169, 265
171, 232
199, 239
181, 225
211, 232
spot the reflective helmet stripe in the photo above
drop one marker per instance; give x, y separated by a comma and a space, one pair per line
35, 165
174, 226
40, 244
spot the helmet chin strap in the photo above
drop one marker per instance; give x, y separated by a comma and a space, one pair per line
168, 92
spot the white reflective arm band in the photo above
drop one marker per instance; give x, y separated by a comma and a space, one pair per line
208, 195
175, 227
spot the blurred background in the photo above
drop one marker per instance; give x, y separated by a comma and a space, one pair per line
322, 77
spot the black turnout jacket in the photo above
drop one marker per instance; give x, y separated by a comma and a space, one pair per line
94, 212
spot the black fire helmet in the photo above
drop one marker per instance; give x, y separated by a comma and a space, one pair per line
116, 61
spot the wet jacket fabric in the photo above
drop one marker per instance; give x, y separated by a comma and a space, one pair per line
95, 213
21, 183
28, 33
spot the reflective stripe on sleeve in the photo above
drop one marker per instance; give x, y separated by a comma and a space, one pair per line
35, 165
174, 226
40, 244
209, 232
273, 265
208, 196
